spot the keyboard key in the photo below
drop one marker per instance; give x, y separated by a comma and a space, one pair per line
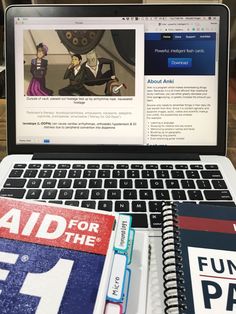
195, 195
192, 174
34, 183
82, 183
74, 174
89, 174
72, 203
49, 183
60, 174
188, 184
177, 174
33, 194
89, 204
219, 184
147, 174
139, 220
203, 184
156, 220
105, 205
126, 184
15, 173
45, 173
166, 166
98, 194
108, 166
114, 194
14, 183
78, 166
81, 194
139, 206
122, 166
65, 194
104, 174
136, 166
122, 206
19, 166
95, 183
178, 195
181, 166
14, 193
162, 174
162, 195
49, 194
34, 166
157, 184
110, 183
152, 166
146, 194
215, 174
155, 206
30, 173
211, 167
132, 173
130, 194
64, 183
172, 184
55, 202
118, 173
218, 195
141, 184
196, 166
63, 166
93, 166
49, 166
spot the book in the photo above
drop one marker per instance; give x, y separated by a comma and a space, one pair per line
199, 258
54, 258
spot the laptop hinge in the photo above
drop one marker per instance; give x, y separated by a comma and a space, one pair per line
113, 156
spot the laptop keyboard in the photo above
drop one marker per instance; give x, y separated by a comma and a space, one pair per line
136, 189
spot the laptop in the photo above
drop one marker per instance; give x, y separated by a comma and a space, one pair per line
118, 108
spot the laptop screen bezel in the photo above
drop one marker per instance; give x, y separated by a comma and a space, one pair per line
118, 11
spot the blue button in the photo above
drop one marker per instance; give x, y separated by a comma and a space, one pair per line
179, 62
46, 141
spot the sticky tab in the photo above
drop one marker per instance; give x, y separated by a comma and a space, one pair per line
122, 233
130, 245
117, 278
126, 290
113, 308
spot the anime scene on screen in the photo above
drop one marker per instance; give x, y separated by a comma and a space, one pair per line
79, 62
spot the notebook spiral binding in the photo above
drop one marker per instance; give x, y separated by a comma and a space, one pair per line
174, 290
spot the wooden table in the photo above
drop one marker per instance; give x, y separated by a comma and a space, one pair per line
231, 150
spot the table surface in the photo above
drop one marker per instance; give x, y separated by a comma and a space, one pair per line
231, 148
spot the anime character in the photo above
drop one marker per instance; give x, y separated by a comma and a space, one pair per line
37, 85
94, 70
75, 73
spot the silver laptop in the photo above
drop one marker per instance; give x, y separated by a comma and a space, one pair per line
118, 108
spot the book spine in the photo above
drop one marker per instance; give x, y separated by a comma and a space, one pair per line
174, 291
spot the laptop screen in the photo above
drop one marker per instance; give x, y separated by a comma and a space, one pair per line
126, 80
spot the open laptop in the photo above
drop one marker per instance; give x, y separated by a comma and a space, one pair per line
118, 107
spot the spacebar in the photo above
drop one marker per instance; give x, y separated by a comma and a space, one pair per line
139, 220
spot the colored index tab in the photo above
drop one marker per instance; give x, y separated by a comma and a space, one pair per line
117, 278
130, 246
126, 290
122, 233
113, 308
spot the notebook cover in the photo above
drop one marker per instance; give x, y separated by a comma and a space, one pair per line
208, 245
52, 258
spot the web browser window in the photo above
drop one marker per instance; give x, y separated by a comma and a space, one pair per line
116, 81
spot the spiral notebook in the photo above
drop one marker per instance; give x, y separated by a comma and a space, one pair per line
199, 259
